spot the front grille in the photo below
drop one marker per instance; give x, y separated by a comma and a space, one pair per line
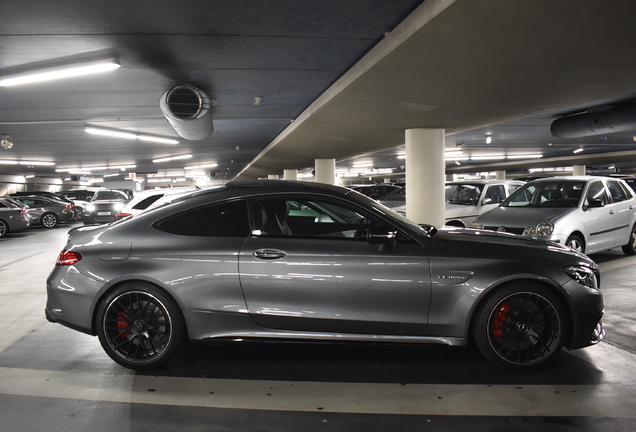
512, 230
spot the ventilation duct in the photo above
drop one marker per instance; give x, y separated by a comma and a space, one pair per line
616, 119
188, 110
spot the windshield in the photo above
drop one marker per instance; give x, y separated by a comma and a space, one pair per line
547, 194
463, 193
110, 195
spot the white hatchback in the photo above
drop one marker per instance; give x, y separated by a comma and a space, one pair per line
588, 214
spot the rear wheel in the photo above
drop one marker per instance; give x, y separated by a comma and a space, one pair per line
49, 220
139, 326
630, 247
520, 326
4, 228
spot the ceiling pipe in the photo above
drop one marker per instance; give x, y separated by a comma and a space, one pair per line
188, 109
620, 118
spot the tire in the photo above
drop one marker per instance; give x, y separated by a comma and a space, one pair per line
4, 228
575, 242
139, 326
520, 326
630, 247
49, 220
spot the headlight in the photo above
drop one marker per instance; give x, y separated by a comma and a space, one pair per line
476, 224
544, 229
118, 206
583, 275
89, 208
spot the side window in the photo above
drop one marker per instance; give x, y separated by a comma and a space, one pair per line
617, 193
308, 217
597, 191
3, 205
227, 219
511, 188
496, 193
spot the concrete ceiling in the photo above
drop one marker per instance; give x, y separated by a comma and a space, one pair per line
338, 79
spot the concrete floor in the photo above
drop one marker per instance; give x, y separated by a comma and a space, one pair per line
55, 379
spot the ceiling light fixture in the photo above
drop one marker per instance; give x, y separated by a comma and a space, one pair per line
488, 139
360, 165
488, 157
525, 156
129, 135
36, 163
8, 162
210, 165
579, 150
171, 158
70, 70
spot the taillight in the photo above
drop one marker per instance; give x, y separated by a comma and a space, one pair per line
68, 207
120, 216
23, 211
67, 258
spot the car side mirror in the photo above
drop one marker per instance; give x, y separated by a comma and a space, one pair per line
384, 235
486, 201
595, 203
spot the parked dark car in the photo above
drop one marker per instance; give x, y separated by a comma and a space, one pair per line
13, 217
104, 206
376, 191
50, 196
309, 261
46, 211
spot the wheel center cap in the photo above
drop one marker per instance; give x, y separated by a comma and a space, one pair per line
139, 325
523, 327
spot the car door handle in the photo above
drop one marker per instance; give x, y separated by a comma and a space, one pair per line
269, 254
611, 212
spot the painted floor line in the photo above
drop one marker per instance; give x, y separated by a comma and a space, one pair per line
603, 400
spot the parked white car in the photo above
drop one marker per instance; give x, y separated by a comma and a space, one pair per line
465, 199
588, 214
150, 198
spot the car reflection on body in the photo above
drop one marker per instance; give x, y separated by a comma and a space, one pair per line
588, 214
465, 199
282, 259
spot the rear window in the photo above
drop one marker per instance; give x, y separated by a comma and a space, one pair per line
227, 219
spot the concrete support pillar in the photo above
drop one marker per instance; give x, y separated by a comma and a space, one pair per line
326, 171
290, 174
500, 175
272, 177
387, 180
425, 176
579, 170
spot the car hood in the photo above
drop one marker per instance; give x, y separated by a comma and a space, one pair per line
522, 216
473, 242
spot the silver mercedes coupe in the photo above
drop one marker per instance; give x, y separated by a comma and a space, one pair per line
308, 261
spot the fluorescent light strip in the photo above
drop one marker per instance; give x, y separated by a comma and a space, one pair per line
58, 72
525, 156
211, 165
129, 135
360, 165
578, 150
171, 158
488, 157
8, 162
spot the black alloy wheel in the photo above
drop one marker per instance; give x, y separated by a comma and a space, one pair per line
139, 326
520, 326
4, 228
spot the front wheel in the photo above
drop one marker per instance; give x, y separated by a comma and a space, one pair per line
576, 243
139, 326
49, 220
630, 247
520, 326
4, 228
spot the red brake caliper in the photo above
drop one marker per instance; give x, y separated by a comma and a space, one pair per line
498, 319
122, 324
